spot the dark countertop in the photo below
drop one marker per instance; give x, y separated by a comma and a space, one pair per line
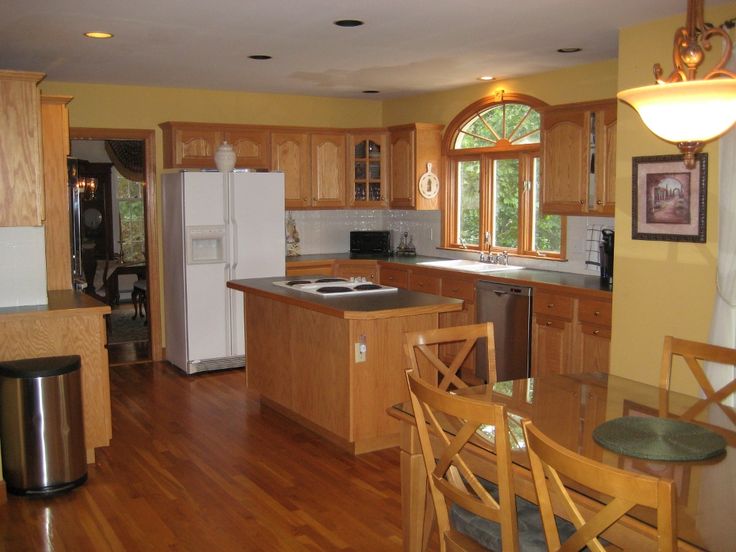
59, 302
366, 306
527, 276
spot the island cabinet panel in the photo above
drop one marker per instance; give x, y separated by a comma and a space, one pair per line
21, 170
303, 358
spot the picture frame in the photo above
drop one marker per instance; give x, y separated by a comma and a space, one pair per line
668, 199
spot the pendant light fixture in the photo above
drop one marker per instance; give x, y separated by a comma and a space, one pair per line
681, 108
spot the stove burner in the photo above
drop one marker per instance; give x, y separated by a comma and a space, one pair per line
326, 280
297, 282
334, 289
363, 287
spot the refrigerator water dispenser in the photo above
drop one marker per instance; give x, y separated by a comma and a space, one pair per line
205, 244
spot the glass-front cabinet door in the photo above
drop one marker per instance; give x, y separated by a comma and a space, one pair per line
368, 166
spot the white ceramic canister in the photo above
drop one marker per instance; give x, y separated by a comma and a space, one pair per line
225, 157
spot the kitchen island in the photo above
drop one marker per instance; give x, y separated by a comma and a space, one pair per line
303, 356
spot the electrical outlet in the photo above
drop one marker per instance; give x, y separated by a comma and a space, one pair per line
360, 352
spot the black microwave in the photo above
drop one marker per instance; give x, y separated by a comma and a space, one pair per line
370, 243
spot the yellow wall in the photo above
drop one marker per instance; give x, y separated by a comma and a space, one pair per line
593, 81
660, 287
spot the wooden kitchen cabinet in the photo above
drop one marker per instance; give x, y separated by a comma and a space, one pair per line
578, 158
290, 154
393, 276
552, 333
55, 124
357, 269
309, 268
593, 335
193, 145
412, 148
328, 158
368, 170
21, 170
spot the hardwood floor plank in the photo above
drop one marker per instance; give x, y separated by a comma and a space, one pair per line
195, 464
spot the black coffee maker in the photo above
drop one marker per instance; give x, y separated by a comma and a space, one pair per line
605, 249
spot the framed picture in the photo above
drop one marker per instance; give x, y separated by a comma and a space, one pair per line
669, 199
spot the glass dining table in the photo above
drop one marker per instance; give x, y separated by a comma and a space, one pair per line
568, 408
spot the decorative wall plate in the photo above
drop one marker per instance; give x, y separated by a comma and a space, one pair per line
429, 184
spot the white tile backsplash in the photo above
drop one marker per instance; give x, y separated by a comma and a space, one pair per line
329, 232
23, 268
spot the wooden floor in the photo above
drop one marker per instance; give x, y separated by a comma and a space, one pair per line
196, 465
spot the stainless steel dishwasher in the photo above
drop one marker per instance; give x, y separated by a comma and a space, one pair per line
509, 307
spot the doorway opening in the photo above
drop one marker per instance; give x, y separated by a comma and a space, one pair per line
119, 253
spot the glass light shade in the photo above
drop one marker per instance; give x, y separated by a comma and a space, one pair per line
689, 111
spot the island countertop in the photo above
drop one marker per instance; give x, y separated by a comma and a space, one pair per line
368, 306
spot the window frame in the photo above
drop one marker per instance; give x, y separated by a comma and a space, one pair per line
486, 155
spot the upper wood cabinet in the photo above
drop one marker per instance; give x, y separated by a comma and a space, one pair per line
193, 145
55, 124
578, 158
367, 170
328, 169
412, 148
290, 154
21, 166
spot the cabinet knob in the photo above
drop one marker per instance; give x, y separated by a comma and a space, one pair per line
596, 332
455, 290
550, 305
582, 201
420, 284
549, 323
597, 313
599, 202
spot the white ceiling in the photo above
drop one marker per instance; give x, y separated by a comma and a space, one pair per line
405, 47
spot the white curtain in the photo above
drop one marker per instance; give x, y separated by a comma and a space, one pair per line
723, 324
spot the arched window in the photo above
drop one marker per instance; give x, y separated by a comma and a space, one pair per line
493, 151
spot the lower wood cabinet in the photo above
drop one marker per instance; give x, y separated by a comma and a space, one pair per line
570, 334
307, 268
425, 283
459, 288
390, 276
356, 269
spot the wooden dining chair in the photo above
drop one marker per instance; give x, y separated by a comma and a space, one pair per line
472, 514
423, 351
550, 462
693, 352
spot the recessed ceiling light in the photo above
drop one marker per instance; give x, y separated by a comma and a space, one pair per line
486, 78
98, 34
349, 23
259, 57
568, 50
371, 91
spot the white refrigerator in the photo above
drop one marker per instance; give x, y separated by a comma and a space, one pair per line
216, 227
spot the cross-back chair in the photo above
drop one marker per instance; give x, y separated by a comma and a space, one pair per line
473, 514
693, 352
550, 461
422, 350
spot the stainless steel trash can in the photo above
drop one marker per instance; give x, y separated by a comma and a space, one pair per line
41, 425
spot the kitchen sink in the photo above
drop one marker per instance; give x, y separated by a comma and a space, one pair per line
465, 265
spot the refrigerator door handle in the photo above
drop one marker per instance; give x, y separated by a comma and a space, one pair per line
229, 313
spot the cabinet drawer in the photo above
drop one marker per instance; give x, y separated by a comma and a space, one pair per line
596, 312
426, 284
394, 277
596, 331
459, 289
548, 304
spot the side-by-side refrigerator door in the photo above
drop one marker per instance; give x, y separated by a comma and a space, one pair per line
206, 266
258, 237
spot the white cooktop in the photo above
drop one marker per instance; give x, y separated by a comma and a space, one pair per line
332, 287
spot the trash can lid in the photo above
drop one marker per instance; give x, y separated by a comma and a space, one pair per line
39, 367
